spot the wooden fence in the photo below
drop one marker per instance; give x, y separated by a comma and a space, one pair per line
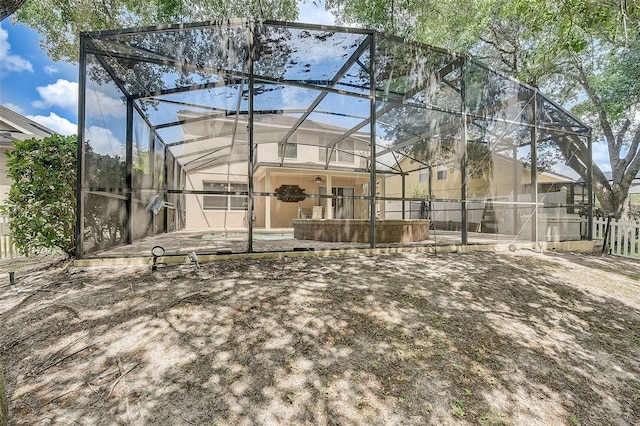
7, 249
621, 239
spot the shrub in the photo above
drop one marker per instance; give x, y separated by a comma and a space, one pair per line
41, 202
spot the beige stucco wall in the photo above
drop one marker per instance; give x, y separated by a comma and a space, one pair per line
268, 132
500, 182
269, 211
5, 182
281, 214
199, 218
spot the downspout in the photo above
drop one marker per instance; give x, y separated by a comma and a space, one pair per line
403, 194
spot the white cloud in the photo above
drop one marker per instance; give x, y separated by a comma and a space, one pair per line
312, 13
64, 94
50, 70
9, 62
103, 141
56, 123
14, 107
105, 105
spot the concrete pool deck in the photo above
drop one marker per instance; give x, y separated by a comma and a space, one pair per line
211, 245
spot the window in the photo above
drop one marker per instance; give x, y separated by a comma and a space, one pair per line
342, 153
423, 175
224, 201
323, 154
345, 151
290, 150
442, 173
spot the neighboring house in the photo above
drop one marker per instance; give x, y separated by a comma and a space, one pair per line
14, 126
306, 169
498, 197
498, 180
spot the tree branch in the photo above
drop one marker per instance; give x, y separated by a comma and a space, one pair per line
632, 155
494, 44
623, 131
574, 159
583, 80
633, 165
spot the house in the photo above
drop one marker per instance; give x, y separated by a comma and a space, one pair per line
442, 179
305, 171
14, 126
499, 196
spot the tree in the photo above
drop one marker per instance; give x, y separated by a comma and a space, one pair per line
585, 52
61, 21
41, 201
104, 218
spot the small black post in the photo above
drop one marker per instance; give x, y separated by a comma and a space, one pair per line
606, 233
12, 278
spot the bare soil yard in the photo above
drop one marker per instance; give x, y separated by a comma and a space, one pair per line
482, 338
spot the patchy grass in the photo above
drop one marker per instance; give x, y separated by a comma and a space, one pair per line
480, 338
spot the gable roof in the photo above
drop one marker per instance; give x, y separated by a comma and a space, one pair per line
14, 126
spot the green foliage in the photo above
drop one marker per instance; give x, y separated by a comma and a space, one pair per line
585, 53
61, 21
104, 217
457, 407
429, 21
41, 201
479, 160
420, 191
618, 84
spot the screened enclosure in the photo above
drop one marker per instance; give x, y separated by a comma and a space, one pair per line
251, 132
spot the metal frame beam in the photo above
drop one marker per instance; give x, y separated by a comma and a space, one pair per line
341, 72
92, 45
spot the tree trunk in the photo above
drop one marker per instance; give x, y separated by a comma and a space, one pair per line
613, 196
613, 199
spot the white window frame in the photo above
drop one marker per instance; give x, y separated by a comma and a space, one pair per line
231, 202
341, 154
290, 150
423, 175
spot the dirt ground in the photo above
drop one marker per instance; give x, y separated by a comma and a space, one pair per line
483, 338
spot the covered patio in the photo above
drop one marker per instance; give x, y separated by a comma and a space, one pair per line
233, 131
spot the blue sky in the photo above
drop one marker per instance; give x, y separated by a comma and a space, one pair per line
33, 85
45, 91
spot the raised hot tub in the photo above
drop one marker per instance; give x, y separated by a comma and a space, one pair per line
357, 230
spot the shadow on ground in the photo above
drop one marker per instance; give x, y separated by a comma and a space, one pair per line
481, 338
